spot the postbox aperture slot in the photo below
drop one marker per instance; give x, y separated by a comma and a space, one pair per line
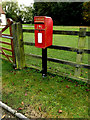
39, 37
38, 22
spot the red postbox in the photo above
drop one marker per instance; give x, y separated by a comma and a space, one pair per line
43, 31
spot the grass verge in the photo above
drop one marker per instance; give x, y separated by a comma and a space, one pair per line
26, 90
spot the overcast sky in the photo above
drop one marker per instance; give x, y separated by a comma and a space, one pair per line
25, 2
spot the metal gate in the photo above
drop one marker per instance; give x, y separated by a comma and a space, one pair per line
3, 48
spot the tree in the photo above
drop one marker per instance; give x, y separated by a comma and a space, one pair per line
43, 8
26, 14
11, 9
62, 13
86, 12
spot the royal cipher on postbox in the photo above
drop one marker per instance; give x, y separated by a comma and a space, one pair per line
43, 31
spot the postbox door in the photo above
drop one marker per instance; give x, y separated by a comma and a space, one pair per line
39, 38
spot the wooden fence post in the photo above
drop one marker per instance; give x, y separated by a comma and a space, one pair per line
81, 45
18, 45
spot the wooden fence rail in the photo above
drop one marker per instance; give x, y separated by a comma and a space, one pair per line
62, 48
59, 32
61, 61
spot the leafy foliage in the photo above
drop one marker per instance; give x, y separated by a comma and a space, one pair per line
63, 13
26, 14
22, 13
86, 12
11, 9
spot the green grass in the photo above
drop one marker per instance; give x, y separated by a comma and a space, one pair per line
50, 94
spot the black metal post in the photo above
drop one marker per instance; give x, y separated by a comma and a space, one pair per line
44, 62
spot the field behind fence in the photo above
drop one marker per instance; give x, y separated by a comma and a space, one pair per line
66, 47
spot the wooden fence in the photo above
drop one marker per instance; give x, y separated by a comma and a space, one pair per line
19, 48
